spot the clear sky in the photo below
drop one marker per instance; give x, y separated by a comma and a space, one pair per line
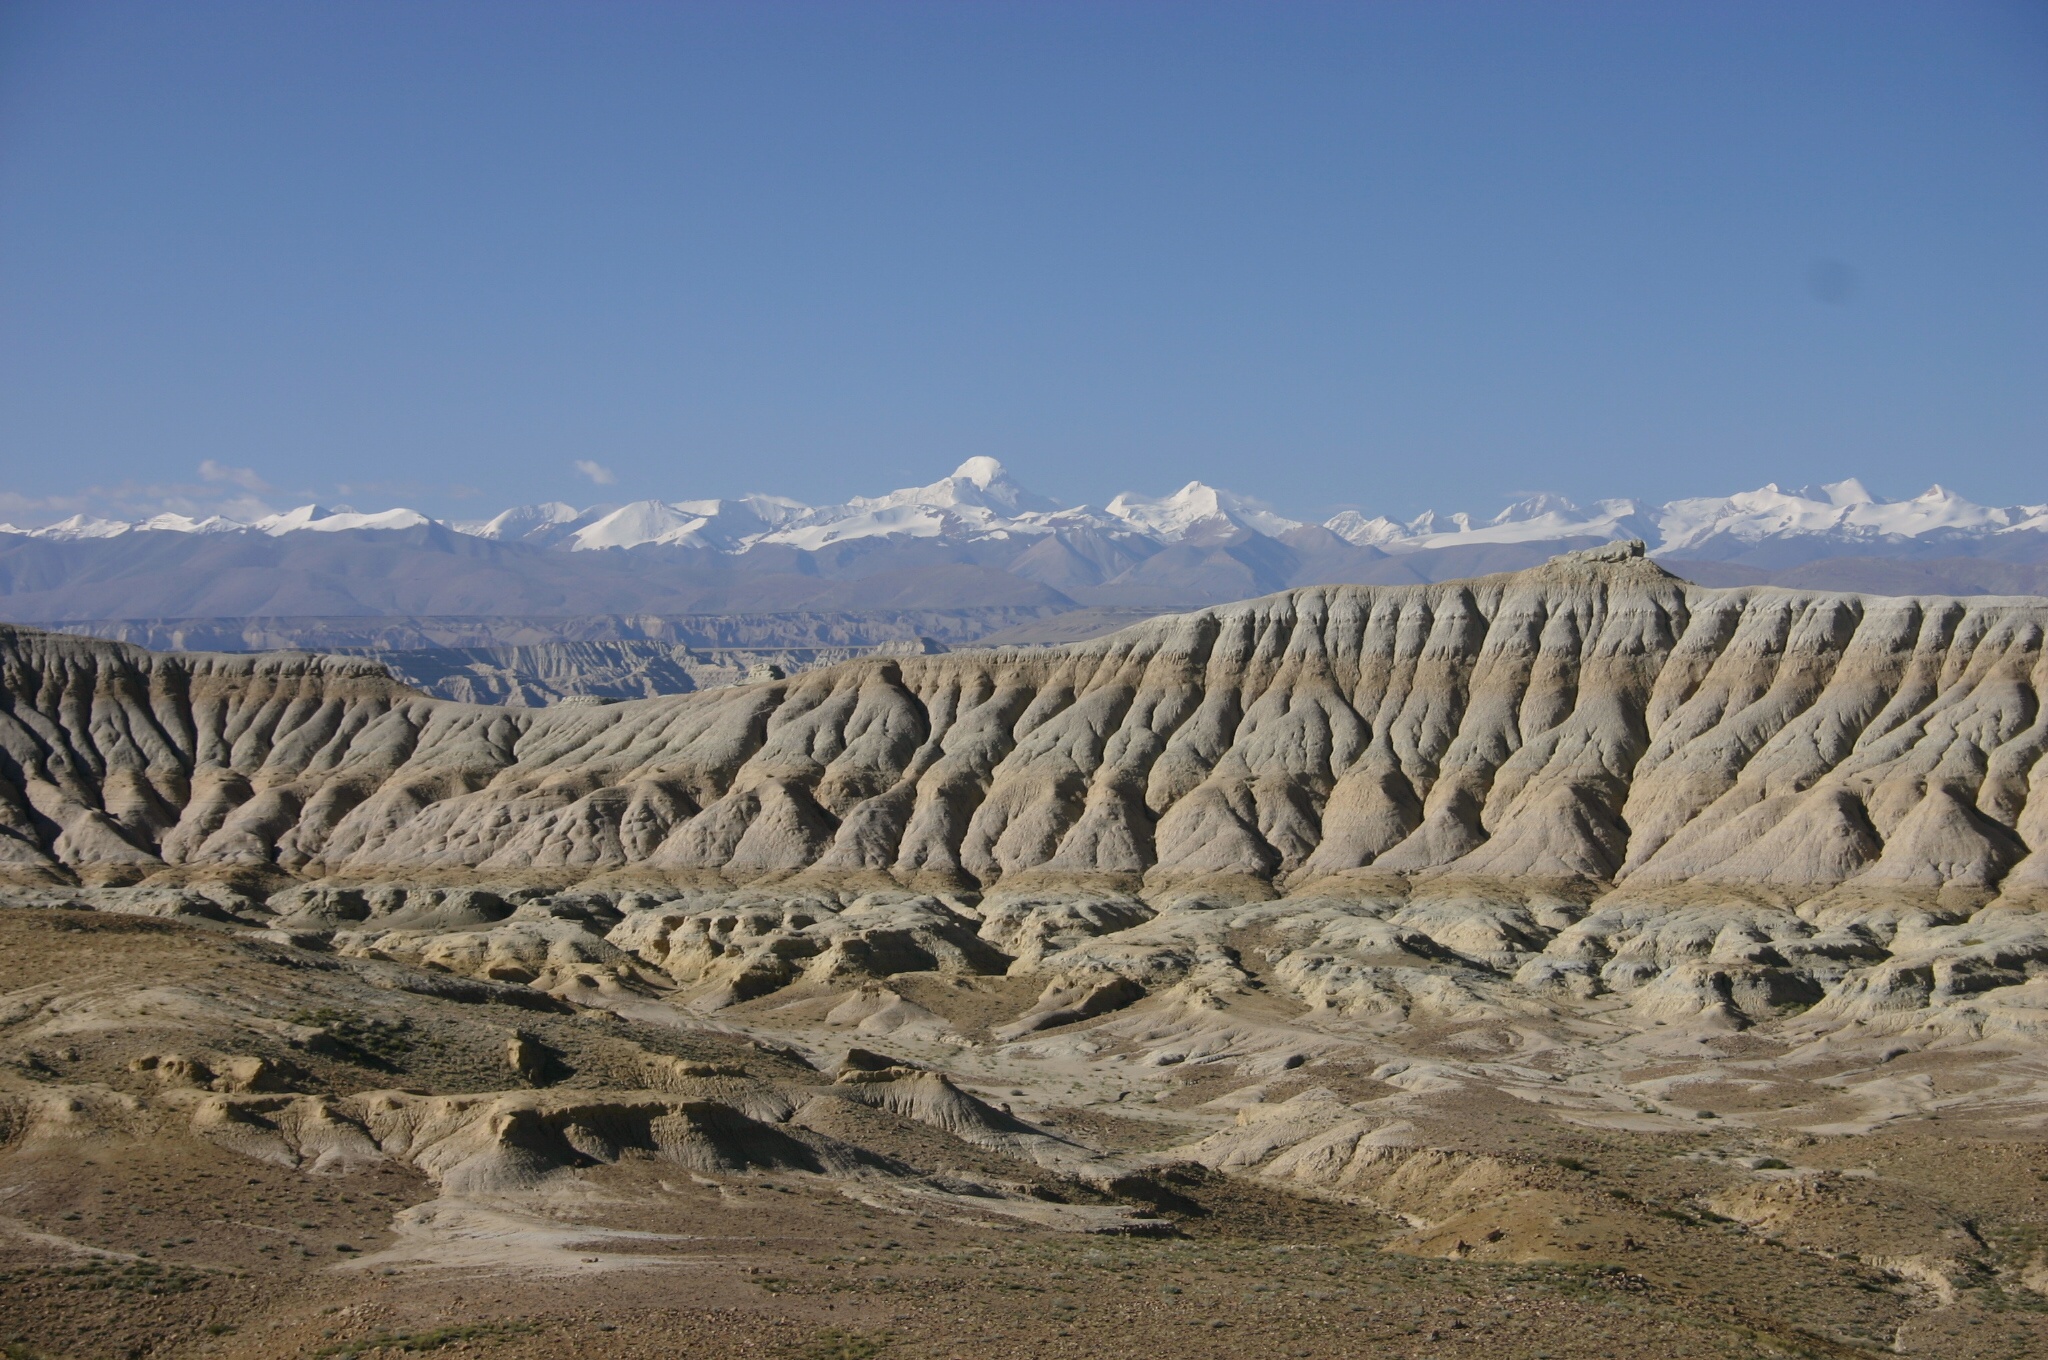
1389, 256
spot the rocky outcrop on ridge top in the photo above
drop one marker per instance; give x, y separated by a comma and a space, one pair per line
1594, 718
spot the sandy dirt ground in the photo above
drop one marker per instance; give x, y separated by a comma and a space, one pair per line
218, 1144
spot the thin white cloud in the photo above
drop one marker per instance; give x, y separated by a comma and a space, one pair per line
39, 507
137, 500
596, 472
246, 478
235, 493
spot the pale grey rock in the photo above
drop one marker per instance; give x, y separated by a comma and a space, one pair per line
747, 944
534, 948
1033, 926
1592, 720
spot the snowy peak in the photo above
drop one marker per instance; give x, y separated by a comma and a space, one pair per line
1198, 510
1849, 491
978, 500
524, 522
1533, 519
1539, 506
983, 471
721, 525
185, 524
629, 526
985, 483
84, 526
977, 484
981, 502
1375, 532
319, 519
1842, 511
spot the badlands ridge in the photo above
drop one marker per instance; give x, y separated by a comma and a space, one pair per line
1437, 923
1594, 720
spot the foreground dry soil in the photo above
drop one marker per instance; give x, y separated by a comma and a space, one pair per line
217, 1143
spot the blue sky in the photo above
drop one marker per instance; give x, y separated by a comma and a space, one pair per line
1388, 256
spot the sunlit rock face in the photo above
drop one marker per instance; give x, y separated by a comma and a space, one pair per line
1582, 916
1595, 719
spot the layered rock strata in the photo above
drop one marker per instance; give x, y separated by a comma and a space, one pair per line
1596, 719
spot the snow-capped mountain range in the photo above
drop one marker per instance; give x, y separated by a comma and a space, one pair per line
980, 502
1842, 511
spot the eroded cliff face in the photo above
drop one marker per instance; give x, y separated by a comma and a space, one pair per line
1454, 909
1592, 719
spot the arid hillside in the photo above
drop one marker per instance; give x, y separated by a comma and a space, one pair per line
1593, 719
1544, 964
